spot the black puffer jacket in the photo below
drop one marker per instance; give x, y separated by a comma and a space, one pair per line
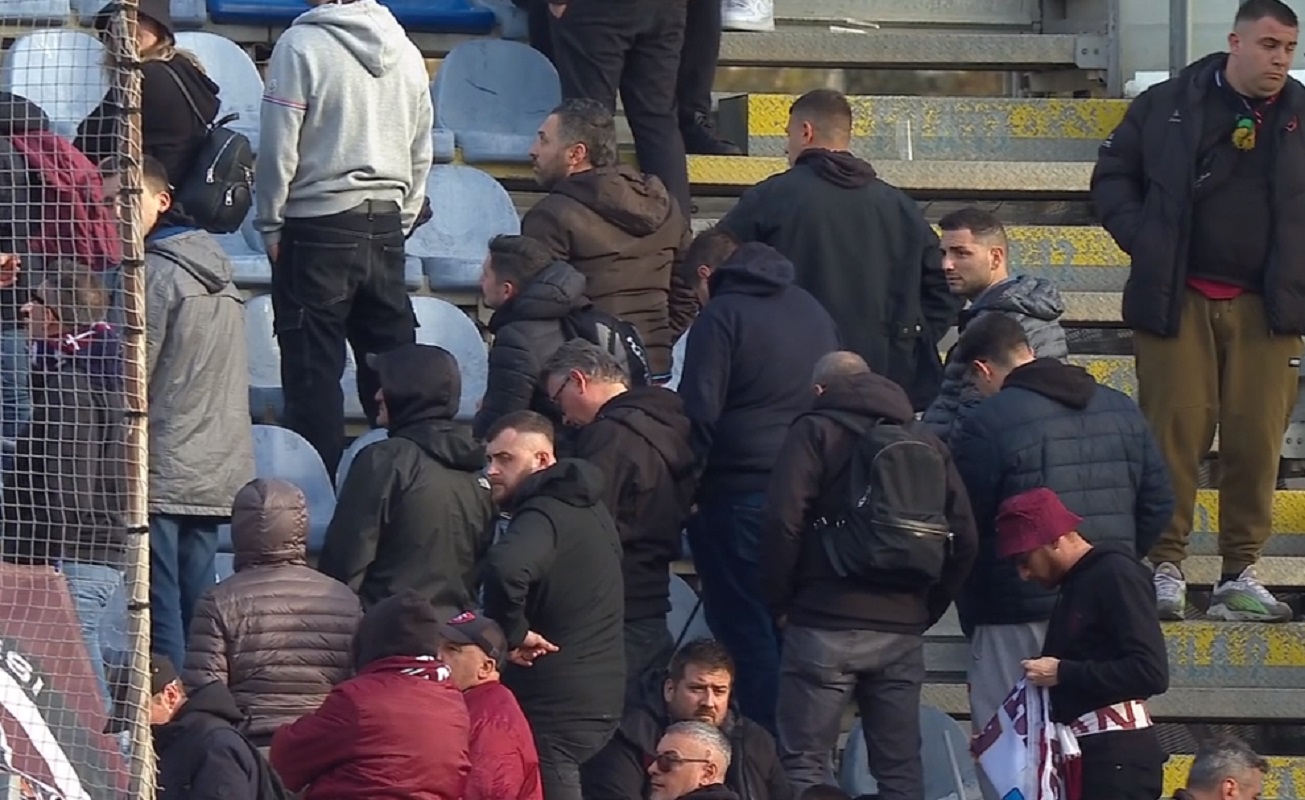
278, 633
415, 511
1143, 189
619, 770
527, 331
640, 441
556, 570
201, 753
1052, 426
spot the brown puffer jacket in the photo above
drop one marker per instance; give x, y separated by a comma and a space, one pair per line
623, 232
278, 633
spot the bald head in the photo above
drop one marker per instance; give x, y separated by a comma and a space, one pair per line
838, 364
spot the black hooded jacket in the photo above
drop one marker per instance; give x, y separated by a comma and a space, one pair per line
527, 331
810, 481
865, 251
556, 570
202, 754
620, 772
1053, 426
747, 367
640, 441
414, 511
20, 193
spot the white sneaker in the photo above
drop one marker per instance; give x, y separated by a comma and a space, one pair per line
1170, 592
1246, 600
748, 15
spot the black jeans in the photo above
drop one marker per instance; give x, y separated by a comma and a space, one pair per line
602, 47
648, 648
338, 279
698, 59
561, 752
1122, 765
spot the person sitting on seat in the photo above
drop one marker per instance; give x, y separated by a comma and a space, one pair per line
691, 761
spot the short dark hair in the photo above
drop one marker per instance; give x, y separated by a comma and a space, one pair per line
1223, 757
992, 337
1256, 10
522, 422
827, 110
517, 259
710, 248
74, 293
154, 175
824, 793
982, 224
706, 653
590, 123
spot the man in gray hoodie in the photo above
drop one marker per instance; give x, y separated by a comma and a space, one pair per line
344, 152
976, 263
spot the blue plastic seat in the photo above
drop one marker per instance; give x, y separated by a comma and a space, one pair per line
226, 566
28, 10
346, 461
944, 748
62, 71
493, 94
677, 361
444, 324
686, 620
184, 12
435, 16
231, 68
472, 207
282, 453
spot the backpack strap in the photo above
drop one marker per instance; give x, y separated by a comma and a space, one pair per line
190, 99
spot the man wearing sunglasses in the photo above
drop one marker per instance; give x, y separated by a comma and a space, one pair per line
690, 762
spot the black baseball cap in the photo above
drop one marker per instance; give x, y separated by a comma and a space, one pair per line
162, 673
470, 628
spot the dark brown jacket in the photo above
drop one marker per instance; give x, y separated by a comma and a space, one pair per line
278, 633
624, 233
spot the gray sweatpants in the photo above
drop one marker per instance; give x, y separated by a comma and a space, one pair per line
995, 655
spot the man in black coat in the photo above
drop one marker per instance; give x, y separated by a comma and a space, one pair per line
639, 439
849, 637
861, 246
1105, 654
414, 511
531, 294
1044, 424
1203, 185
698, 687
554, 586
202, 753
747, 370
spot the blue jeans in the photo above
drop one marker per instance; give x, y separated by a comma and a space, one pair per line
724, 537
15, 395
183, 552
92, 586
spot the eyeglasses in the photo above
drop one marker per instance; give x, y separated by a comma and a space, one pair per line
556, 395
668, 762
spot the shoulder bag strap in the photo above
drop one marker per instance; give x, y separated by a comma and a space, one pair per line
190, 99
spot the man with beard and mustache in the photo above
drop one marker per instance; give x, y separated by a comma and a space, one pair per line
554, 586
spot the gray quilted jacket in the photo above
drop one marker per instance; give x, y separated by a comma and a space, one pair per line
1037, 304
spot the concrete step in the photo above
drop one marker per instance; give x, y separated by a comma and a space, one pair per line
975, 13
809, 46
939, 128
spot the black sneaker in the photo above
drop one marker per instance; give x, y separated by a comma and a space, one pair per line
701, 138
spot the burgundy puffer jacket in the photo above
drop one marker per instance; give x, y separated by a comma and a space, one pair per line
277, 633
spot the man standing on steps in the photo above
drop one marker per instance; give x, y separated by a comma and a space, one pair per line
1203, 185
861, 246
335, 199
975, 261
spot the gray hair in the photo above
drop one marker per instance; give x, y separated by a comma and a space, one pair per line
590, 123
838, 364
707, 735
589, 360
1222, 758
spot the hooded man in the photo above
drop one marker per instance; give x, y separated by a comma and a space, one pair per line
414, 512
334, 215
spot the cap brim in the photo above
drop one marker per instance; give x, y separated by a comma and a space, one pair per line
453, 634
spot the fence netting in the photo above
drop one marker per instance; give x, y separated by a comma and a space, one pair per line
74, 696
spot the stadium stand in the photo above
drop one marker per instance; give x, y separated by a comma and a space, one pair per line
473, 207
420, 15
59, 70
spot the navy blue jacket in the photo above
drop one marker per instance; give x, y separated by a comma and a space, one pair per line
1053, 426
747, 367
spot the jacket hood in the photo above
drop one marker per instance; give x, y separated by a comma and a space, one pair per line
554, 293
657, 416
838, 167
867, 395
717, 791
447, 442
636, 203
195, 251
421, 384
571, 481
19, 115
754, 268
405, 624
367, 29
269, 524
213, 699
1066, 384
1024, 294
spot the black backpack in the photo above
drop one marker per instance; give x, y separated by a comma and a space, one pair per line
218, 192
893, 530
614, 335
